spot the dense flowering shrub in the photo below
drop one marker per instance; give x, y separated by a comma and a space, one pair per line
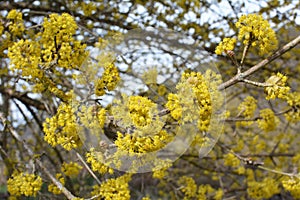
89, 120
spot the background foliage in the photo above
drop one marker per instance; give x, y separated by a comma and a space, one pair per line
45, 43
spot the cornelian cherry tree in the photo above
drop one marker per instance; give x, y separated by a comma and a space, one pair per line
149, 99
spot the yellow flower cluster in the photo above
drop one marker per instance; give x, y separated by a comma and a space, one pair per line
269, 121
96, 160
257, 32
108, 81
24, 184
113, 189
25, 56
188, 186
293, 186
16, 25
247, 109
277, 88
71, 169
139, 142
174, 106
178, 103
140, 116
59, 44
53, 48
293, 100
226, 45
62, 129
263, 190
140, 110
53, 188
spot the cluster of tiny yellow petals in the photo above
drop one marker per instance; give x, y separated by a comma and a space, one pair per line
256, 31
71, 169
293, 186
247, 109
139, 116
58, 42
25, 56
226, 45
202, 94
174, 106
53, 48
62, 129
139, 143
264, 189
96, 160
185, 102
293, 100
276, 86
16, 25
187, 186
108, 81
113, 189
24, 184
53, 188
268, 121
140, 110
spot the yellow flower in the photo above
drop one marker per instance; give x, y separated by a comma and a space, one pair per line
293, 100
62, 129
256, 31
187, 186
293, 186
247, 109
173, 105
277, 88
16, 26
96, 160
109, 80
226, 45
264, 189
22, 183
269, 121
114, 188
53, 188
71, 169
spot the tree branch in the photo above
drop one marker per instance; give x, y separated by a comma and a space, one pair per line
23, 98
261, 64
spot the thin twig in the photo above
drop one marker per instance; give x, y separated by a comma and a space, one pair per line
88, 168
